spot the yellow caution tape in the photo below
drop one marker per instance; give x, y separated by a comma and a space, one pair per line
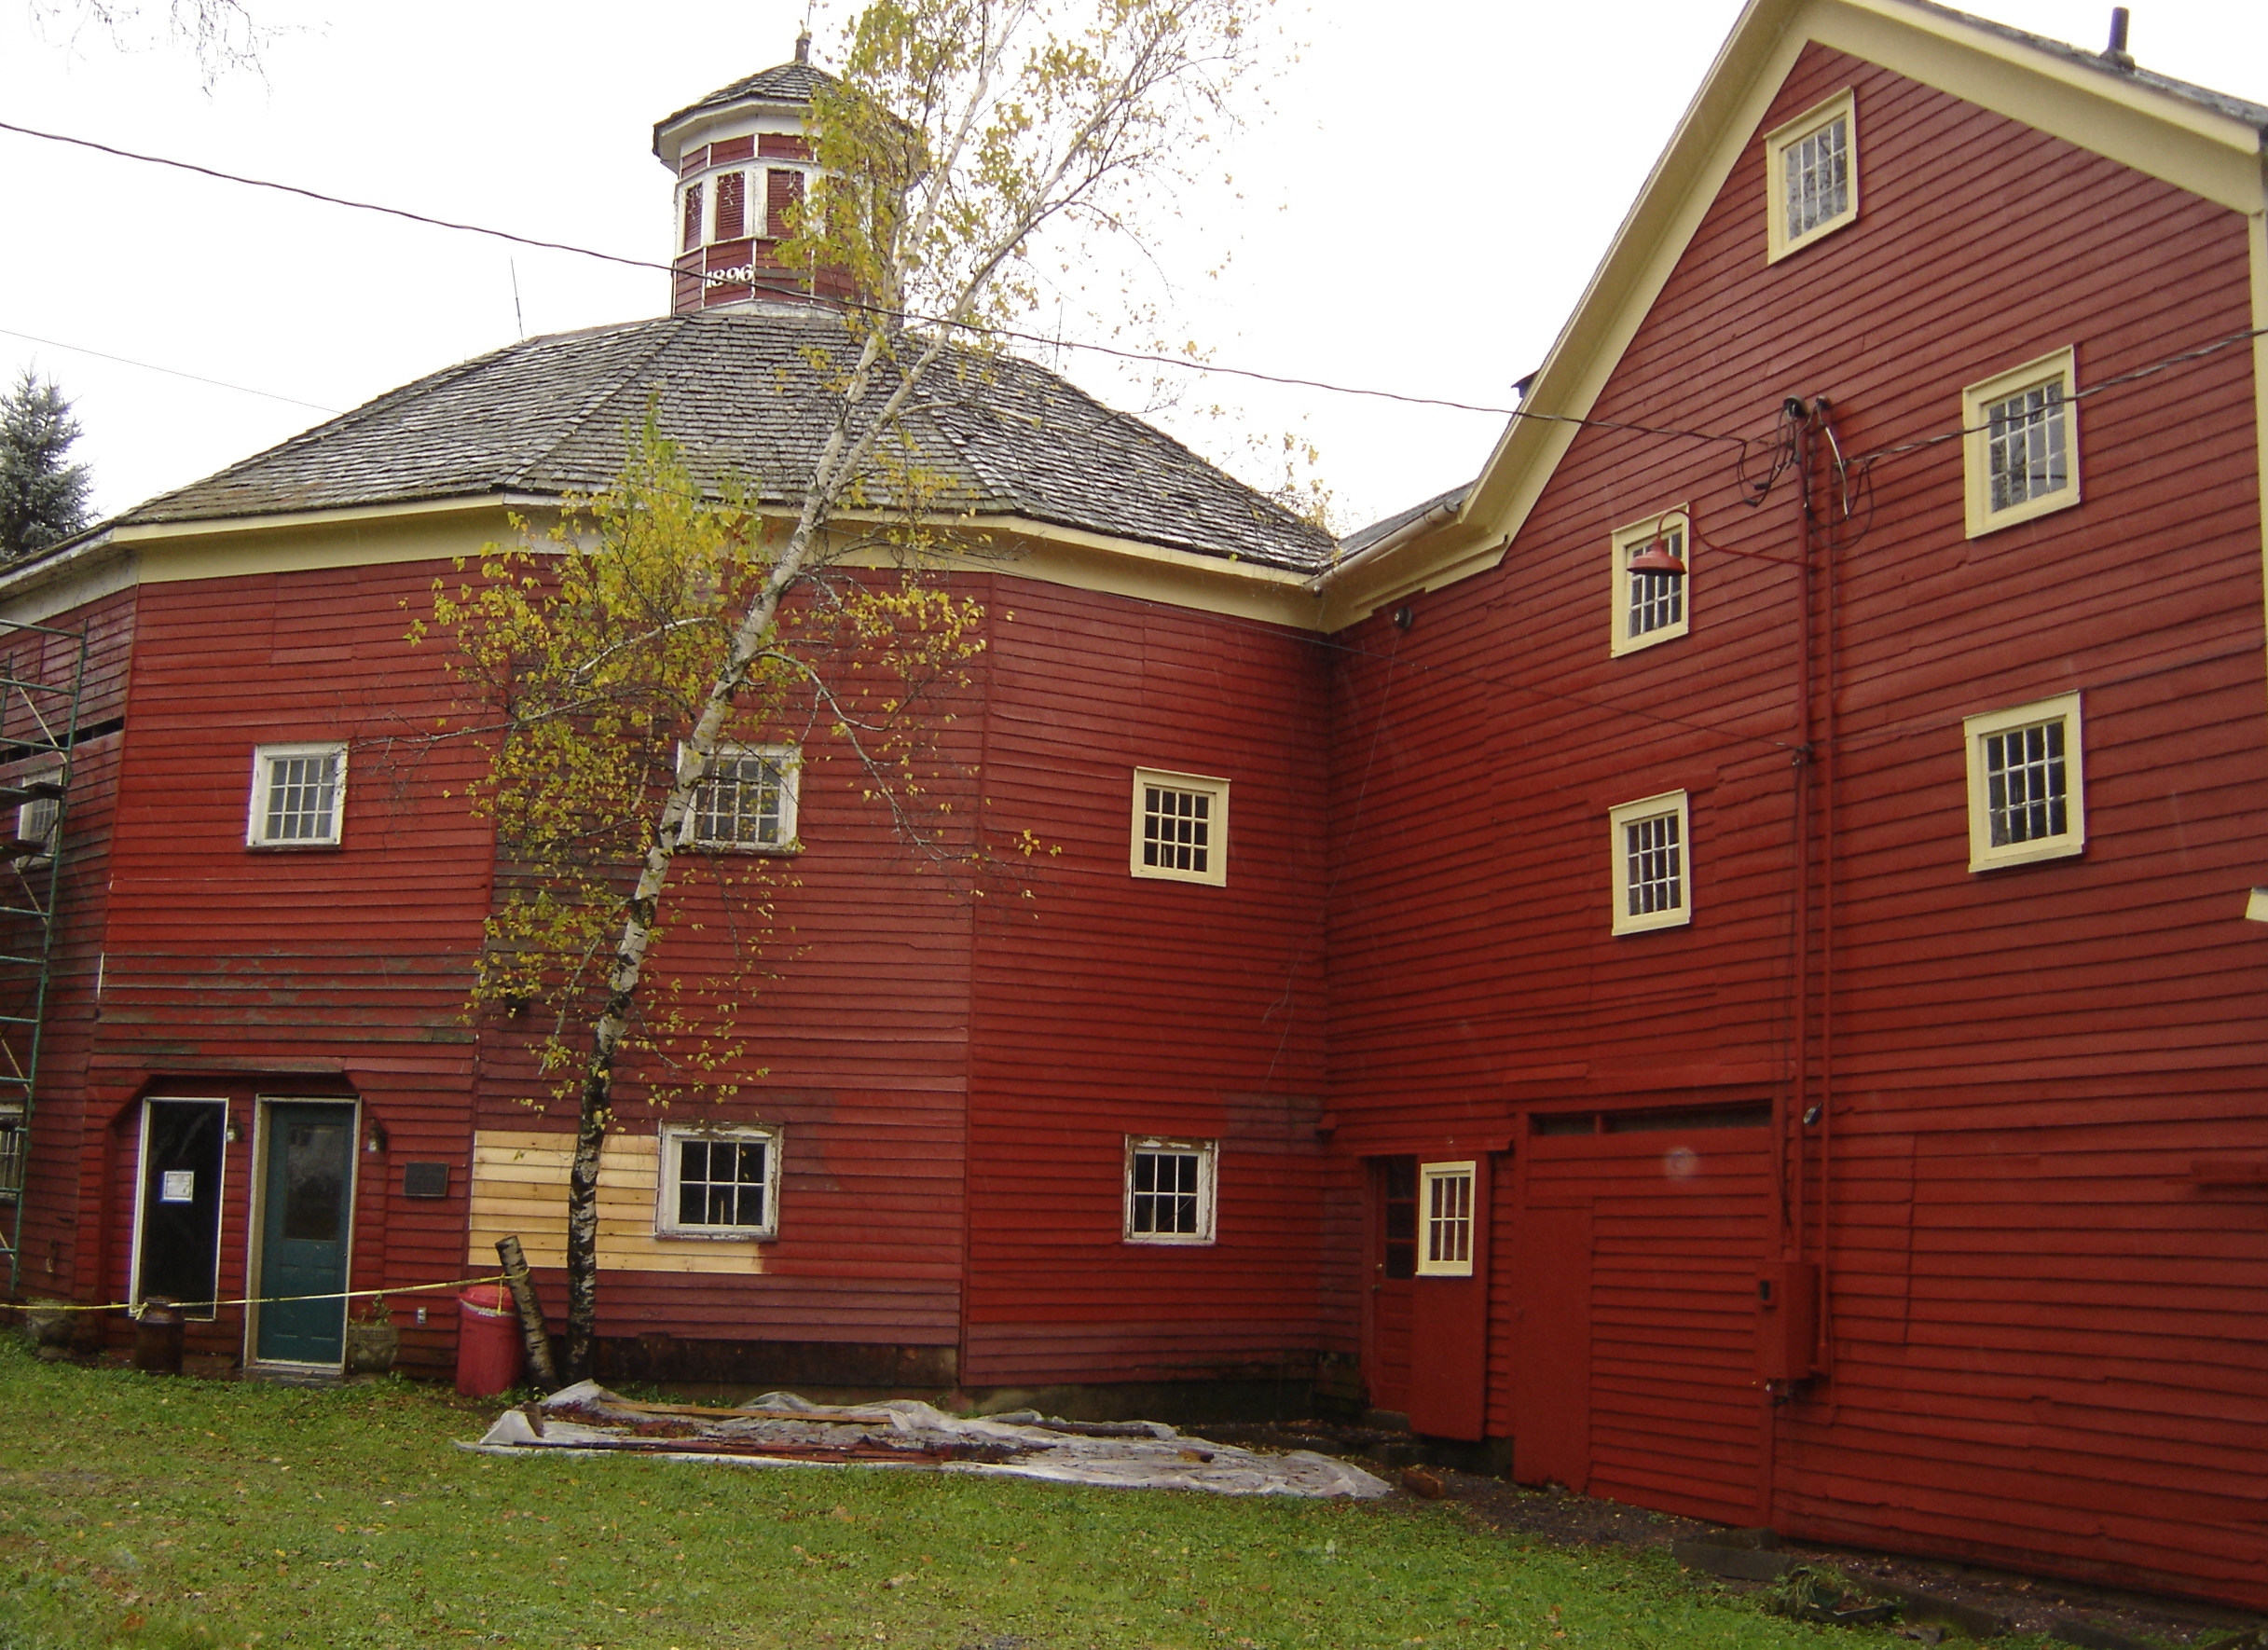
135, 1308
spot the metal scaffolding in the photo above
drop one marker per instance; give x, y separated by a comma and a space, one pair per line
43, 676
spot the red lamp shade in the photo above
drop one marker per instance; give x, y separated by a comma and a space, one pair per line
1657, 557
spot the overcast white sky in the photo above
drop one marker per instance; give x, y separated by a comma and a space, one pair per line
1410, 215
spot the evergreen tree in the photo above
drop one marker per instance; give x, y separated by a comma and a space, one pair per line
43, 499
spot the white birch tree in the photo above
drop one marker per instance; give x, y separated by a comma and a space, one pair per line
963, 139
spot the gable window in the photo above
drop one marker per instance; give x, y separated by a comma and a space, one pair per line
1445, 1208
298, 796
1180, 827
1649, 606
719, 1183
2026, 795
1169, 1191
1653, 881
748, 800
732, 206
691, 236
2021, 440
1812, 164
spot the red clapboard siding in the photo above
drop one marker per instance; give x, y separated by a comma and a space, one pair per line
2045, 1339
1106, 1005
62, 1196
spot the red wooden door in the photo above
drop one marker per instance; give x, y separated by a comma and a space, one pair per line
1675, 1216
1448, 1318
1394, 1267
1551, 1347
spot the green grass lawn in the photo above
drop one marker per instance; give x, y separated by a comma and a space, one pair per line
144, 1511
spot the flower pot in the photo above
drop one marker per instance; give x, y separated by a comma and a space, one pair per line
371, 1348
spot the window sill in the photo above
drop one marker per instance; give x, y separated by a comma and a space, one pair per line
1982, 522
786, 850
2030, 854
673, 1235
1153, 1241
1811, 237
1623, 646
291, 847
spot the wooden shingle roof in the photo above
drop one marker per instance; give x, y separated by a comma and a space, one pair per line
739, 391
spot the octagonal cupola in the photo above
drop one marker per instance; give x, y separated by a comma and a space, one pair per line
742, 161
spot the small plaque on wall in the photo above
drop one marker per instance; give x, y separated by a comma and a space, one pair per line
425, 1181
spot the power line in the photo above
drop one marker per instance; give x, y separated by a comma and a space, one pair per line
2164, 364
1147, 357
173, 372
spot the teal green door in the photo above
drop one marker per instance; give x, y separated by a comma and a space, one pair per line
303, 1225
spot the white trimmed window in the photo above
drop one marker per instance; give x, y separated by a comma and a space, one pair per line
2022, 443
1180, 827
1650, 841
298, 796
1169, 1190
690, 213
1445, 1219
1649, 606
1813, 168
748, 800
38, 814
719, 1183
732, 210
2026, 784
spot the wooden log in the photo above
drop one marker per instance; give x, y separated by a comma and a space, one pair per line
540, 1364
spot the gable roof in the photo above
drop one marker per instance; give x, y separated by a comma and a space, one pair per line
2206, 142
738, 393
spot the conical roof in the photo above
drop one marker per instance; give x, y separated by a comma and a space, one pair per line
738, 393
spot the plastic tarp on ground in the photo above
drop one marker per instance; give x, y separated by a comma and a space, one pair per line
780, 1429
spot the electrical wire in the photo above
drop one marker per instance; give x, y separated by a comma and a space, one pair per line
2164, 364
1187, 363
170, 371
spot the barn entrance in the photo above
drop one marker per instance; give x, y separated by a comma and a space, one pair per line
1426, 1346
1635, 1256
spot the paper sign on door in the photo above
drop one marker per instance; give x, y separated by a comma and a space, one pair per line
179, 1186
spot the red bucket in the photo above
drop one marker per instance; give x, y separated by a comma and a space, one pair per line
490, 1351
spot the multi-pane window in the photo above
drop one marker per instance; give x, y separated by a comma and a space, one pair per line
2026, 797
1169, 1191
1813, 165
2026, 784
298, 795
1818, 177
2022, 436
748, 800
1652, 876
1445, 1214
1649, 606
720, 1183
1180, 827
2026, 451
732, 205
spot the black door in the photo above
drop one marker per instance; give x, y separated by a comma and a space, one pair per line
180, 1254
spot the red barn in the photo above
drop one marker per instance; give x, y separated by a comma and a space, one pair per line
1715, 957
